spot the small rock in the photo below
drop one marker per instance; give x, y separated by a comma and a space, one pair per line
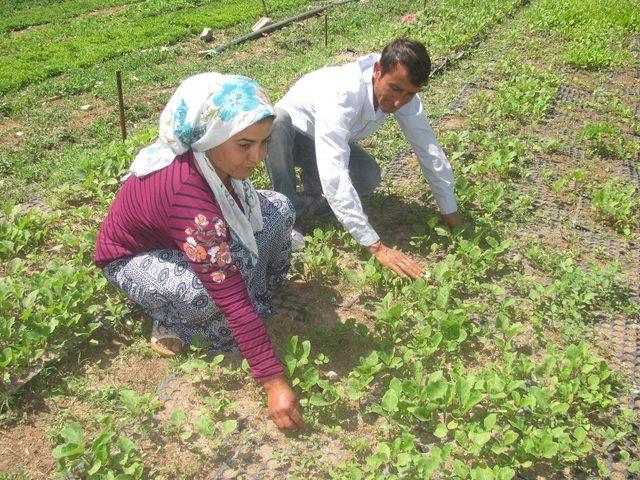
260, 24
19, 134
206, 35
230, 473
86, 107
55, 248
266, 452
332, 376
272, 465
165, 49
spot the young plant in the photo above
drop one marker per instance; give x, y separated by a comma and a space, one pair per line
109, 455
617, 203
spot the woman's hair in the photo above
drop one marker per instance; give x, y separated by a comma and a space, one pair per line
410, 53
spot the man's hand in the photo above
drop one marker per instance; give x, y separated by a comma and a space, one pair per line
452, 220
395, 260
282, 403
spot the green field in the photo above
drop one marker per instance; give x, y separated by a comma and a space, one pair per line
499, 364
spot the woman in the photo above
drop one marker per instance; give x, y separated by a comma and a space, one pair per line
190, 240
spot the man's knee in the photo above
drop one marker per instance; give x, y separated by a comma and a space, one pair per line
279, 159
367, 180
282, 126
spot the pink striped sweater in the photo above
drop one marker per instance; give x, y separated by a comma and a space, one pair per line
174, 208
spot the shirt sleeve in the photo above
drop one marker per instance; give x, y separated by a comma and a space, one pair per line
201, 233
435, 166
332, 133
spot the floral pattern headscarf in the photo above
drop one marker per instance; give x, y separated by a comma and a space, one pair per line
204, 112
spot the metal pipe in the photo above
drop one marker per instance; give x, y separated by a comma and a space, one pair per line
271, 28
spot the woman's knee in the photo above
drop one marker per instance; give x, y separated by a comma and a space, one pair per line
278, 204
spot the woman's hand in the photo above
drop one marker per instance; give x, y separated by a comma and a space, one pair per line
283, 405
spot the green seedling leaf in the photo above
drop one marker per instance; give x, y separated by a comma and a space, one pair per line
178, 416
482, 473
436, 386
440, 431
490, 421
73, 433
480, 438
509, 437
229, 426
390, 401
67, 450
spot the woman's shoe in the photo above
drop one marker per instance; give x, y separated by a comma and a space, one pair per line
164, 341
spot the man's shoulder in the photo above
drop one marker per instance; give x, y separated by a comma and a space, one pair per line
344, 83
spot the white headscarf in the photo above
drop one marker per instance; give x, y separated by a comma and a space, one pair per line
204, 112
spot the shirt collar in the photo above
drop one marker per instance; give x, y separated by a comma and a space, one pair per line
366, 67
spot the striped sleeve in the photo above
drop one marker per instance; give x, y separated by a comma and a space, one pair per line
199, 231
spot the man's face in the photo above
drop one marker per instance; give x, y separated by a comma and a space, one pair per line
393, 89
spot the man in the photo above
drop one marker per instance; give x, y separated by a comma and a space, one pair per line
322, 116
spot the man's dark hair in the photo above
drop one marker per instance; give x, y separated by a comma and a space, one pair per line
411, 54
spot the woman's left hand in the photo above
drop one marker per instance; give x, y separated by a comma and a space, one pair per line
284, 407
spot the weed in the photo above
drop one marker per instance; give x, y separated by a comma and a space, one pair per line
617, 203
607, 141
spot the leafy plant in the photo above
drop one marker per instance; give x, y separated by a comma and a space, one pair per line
108, 455
617, 203
607, 141
319, 261
21, 231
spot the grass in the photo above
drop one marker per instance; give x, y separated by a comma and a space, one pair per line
45, 52
42, 13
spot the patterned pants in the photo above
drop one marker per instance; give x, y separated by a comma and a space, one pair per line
169, 291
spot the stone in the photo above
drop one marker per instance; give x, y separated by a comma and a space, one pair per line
206, 35
266, 452
260, 24
332, 376
19, 134
230, 473
86, 107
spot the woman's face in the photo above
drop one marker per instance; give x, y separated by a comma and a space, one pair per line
239, 155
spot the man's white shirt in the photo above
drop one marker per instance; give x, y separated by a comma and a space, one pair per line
334, 106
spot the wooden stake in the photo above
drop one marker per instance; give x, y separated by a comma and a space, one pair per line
326, 29
264, 9
123, 125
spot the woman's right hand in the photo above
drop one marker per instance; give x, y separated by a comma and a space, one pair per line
283, 405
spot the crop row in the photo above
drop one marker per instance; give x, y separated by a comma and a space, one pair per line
20, 18
51, 295
51, 50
